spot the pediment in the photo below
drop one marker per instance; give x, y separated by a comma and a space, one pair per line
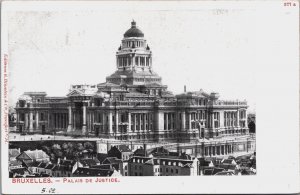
75, 92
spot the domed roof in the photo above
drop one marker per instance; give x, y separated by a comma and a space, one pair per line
133, 31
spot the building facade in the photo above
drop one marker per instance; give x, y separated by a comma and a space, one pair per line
133, 104
162, 166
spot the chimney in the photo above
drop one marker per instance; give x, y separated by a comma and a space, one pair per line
184, 88
145, 150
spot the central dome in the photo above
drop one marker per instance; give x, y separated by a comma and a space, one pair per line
133, 31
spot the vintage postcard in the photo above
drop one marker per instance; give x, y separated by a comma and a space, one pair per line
113, 97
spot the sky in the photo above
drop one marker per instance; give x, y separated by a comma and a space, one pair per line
213, 49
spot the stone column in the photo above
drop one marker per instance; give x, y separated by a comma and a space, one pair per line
17, 122
117, 122
167, 121
70, 119
238, 118
134, 122
84, 119
104, 129
144, 121
140, 121
171, 121
190, 120
129, 122
246, 122
59, 120
221, 119
183, 121
90, 122
30, 121
26, 121
48, 119
110, 123
133, 61
55, 121
74, 121
37, 120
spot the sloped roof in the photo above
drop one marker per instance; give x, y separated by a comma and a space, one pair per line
50, 166
13, 152
101, 156
212, 170
199, 93
103, 167
63, 168
123, 148
159, 150
82, 92
20, 171
132, 74
89, 172
188, 165
167, 94
89, 162
34, 154
64, 162
15, 163
139, 152
228, 161
150, 161
107, 84
31, 164
42, 165
112, 160
227, 166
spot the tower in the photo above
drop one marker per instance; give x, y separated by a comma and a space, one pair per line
134, 53
134, 64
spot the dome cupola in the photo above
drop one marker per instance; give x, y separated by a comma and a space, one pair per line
133, 31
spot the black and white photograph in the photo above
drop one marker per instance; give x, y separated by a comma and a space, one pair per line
117, 90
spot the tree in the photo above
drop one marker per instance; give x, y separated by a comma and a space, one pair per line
67, 149
56, 147
79, 147
88, 146
46, 149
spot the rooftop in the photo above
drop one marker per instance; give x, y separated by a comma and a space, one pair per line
133, 31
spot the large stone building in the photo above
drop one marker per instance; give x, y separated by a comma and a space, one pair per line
132, 104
